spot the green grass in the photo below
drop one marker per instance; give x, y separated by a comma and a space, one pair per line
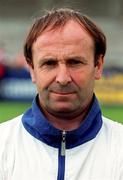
113, 112
10, 110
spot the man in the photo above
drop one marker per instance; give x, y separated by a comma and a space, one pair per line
63, 136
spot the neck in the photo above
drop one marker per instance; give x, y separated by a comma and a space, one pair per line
65, 122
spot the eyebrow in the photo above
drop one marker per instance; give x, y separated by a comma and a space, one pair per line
79, 58
45, 59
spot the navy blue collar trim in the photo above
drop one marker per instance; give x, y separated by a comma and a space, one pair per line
38, 126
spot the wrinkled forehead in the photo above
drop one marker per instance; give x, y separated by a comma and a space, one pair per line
71, 32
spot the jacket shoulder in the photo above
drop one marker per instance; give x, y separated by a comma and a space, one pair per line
7, 126
8, 130
115, 127
114, 134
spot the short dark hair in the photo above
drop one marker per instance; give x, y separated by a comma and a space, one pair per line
58, 18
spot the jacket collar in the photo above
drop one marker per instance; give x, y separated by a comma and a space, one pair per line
39, 127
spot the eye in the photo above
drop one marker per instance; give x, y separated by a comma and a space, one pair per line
73, 62
48, 63
77, 62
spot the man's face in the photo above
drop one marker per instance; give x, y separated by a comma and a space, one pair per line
64, 70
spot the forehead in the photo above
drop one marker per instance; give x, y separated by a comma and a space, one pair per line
71, 33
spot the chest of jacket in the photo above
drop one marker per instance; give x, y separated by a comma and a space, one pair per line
33, 159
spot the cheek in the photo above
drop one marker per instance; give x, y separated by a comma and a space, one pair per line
43, 80
83, 79
79, 78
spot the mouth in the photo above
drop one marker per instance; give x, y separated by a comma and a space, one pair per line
63, 93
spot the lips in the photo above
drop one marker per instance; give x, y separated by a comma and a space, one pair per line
63, 93
62, 96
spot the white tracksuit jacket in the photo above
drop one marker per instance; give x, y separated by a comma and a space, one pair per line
32, 149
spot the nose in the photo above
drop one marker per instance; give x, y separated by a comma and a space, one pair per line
63, 76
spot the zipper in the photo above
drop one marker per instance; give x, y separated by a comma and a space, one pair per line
61, 157
63, 143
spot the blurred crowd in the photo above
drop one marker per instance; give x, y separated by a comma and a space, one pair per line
17, 62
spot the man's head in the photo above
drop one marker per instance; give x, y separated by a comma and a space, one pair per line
55, 19
65, 57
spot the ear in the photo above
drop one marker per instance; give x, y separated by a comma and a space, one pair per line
32, 73
99, 68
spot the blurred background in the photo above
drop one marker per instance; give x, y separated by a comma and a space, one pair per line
16, 17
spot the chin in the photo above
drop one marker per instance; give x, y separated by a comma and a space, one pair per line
63, 109
66, 107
